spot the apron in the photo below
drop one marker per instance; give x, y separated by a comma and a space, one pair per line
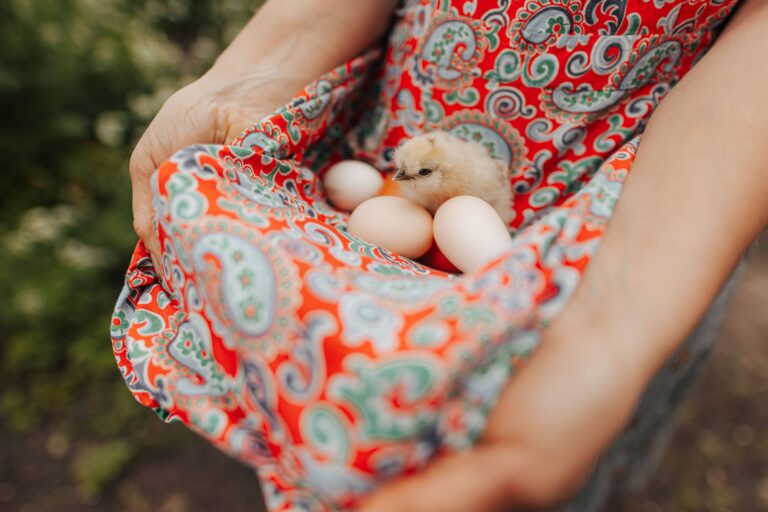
331, 364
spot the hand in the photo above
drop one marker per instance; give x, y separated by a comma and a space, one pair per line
550, 425
211, 110
285, 46
661, 261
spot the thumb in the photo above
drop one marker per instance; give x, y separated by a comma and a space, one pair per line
474, 480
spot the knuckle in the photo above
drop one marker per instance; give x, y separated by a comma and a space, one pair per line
148, 237
133, 164
539, 481
142, 229
140, 162
548, 488
541, 492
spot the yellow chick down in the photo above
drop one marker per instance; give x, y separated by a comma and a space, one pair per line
437, 166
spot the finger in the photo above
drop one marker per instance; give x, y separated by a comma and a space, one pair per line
564, 408
142, 166
528, 457
480, 479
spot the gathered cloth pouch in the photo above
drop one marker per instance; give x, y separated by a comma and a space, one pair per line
329, 363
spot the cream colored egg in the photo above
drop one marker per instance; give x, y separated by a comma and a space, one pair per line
395, 223
470, 232
350, 182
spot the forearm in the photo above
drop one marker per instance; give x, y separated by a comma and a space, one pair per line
289, 43
695, 199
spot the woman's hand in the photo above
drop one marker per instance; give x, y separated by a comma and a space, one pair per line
694, 201
543, 437
211, 110
288, 44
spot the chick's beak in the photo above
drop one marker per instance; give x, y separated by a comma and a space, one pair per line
400, 175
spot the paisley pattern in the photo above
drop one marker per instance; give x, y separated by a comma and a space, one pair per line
330, 363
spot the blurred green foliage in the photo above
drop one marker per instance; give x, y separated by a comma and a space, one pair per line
96, 465
79, 81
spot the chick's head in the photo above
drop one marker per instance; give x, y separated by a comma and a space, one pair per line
425, 161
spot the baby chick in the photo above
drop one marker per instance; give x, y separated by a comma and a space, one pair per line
437, 166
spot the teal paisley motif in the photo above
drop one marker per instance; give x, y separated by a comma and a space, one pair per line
433, 110
366, 319
257, 190
548, 21
466, 97
491, 140
411, 290
448, 55
137, 352
606, 193
538, 24
184, 200
443, 43
302, 376
508, 103
540, 70
271, 141
325, 429
586, 101
297, 248
331, 239
408, 116
372, 386
244, 211
263, 142
615, 135
507, 68
314, 108
331, 479
544, 196
570, 174
431, 333
665, 56
211, 421
192, 348
609, 52
388, 269
248, 284
153, 323
565, 137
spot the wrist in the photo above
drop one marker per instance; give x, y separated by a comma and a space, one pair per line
615, 339
290, 43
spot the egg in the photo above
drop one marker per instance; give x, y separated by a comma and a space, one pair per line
395, 223
350, 182
470, 233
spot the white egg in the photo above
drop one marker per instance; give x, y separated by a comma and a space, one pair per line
470, 232
395, 223
350, 182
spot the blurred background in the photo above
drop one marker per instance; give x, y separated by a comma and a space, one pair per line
79, 80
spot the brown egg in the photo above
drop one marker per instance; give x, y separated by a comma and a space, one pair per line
395, 223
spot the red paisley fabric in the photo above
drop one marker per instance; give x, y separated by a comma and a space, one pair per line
331, 364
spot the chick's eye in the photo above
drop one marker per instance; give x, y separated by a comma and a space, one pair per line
425, 172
